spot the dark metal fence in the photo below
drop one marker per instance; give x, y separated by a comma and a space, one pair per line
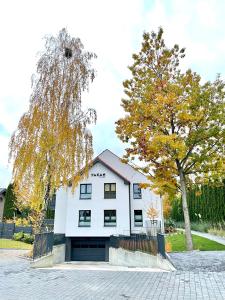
59, 239
137, 242
43, 244
7, 230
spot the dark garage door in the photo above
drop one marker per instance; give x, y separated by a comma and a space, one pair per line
89, 249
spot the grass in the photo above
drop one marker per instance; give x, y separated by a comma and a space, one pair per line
11, 244
177, 242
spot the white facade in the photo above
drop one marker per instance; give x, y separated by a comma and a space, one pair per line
112, 170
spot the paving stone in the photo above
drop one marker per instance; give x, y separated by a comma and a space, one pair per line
18, 281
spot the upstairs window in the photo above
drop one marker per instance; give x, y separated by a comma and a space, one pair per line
136, 191
84, 218
109, 218
138, 218
85, 191
110, 191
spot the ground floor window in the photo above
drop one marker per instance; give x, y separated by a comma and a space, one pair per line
84, 218
109, 218
138, 218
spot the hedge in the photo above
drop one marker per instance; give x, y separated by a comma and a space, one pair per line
206, 203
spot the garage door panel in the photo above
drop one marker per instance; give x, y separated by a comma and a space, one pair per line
89, 249
88, 254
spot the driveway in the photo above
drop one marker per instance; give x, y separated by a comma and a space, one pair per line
19, 281
195, 261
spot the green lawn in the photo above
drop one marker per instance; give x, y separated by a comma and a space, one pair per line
11, 244
177, 242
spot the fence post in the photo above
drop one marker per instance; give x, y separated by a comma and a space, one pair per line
161, 244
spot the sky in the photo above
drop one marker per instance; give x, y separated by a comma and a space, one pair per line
112, 29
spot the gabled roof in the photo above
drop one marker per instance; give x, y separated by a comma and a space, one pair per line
114, 163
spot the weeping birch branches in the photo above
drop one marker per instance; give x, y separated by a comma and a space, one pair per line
52, 143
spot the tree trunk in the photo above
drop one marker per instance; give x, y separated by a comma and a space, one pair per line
189, 242
41, 215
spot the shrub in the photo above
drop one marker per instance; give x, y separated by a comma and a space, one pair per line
28, 238
9, 207
215, 231
18, 236
22, 222
202, 226
170, 226
197, 226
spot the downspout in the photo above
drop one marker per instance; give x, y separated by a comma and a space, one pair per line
129, 208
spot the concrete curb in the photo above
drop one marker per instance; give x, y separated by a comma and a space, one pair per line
171, 262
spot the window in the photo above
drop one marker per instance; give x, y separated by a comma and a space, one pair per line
110, 191
136, 191
109, 218
84, 218
138, 218
85, 191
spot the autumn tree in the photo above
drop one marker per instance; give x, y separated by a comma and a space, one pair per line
52, 142
174, 123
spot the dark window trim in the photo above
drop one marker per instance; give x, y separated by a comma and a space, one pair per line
137, 195
141, 222
88, 222
90, 194
110, 221
109, 194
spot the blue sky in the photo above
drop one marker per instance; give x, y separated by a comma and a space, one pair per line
113, 30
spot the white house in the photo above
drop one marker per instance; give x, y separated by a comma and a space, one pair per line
107, 202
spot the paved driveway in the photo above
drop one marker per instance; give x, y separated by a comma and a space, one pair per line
19, 281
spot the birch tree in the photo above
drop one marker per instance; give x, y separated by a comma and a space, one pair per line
174, 123
52, 142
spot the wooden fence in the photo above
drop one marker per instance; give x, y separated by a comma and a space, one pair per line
144, 243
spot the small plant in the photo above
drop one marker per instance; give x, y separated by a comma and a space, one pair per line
152, 213
168, 247
170, 226
23, 237
18, 236
28, 238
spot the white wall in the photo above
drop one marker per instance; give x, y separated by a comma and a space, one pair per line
68, 205
149, 199
60, 211
97, 204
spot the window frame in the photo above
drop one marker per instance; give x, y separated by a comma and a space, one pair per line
137, 221
90, 194
112, 222
135, 194
79, 220
110, 194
